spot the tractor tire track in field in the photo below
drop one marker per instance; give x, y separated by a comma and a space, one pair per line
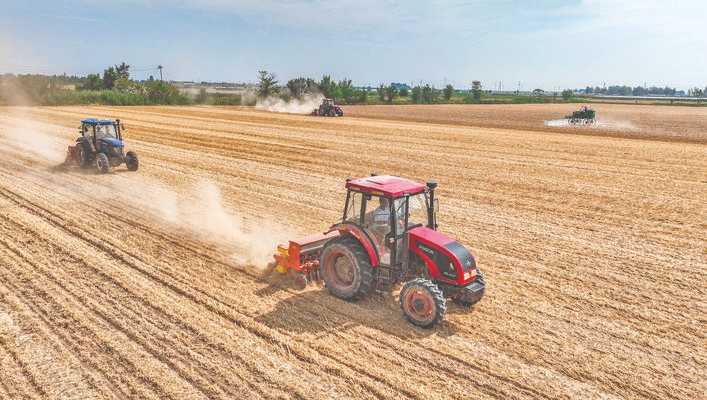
597, 287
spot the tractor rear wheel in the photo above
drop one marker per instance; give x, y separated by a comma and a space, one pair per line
81, 156
346, 269
423, 302
102, 163
131, 161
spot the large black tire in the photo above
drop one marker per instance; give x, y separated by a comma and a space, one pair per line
102, 163
82, 156
131, 161
423, 302
346, 268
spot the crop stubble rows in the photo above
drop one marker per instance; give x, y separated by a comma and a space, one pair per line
594, 248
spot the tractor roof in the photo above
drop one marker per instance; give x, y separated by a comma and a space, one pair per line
390, 186
94, 121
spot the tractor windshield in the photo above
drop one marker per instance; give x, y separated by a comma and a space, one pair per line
106, 132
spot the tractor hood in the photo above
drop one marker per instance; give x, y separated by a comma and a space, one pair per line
113, 142
430, 241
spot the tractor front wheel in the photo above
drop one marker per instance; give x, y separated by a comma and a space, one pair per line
102, 163
131, 161
346, 269
423, 302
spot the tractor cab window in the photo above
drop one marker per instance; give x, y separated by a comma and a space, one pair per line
87, 131
106, 132
417, 213
376, 222
353, 210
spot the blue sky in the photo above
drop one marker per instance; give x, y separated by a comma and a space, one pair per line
544, 43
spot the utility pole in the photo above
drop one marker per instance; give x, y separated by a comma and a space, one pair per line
160, 68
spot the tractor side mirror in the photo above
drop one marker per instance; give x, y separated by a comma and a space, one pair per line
122, 127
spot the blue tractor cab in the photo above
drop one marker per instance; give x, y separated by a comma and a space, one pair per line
101, 145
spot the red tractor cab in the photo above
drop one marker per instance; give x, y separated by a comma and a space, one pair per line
388, 234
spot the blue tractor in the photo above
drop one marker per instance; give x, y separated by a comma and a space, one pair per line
101, 146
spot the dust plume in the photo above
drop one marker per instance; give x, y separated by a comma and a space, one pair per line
21, 132
305, 105
253, 242
199, 211
599, 124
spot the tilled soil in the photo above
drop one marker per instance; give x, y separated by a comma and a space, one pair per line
132, 285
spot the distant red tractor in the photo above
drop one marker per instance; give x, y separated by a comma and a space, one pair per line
328, 109
388, 234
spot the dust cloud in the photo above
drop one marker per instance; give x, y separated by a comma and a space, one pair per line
599, 124
199, 211
19, 131
305, 105
22, 134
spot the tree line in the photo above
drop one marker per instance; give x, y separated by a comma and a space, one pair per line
622, 90
344, 92
113, 87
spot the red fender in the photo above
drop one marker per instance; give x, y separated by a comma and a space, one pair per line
360, 235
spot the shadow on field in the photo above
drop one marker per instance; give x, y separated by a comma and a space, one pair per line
315, 311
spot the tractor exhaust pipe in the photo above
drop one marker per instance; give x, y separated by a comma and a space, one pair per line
431, 215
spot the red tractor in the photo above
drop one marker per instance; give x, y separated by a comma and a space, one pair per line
328, 109
388, 234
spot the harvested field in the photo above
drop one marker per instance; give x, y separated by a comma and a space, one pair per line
670, 123
134, 285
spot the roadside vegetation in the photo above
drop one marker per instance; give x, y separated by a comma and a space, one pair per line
115, 87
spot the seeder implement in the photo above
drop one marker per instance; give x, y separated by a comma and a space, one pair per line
300, 257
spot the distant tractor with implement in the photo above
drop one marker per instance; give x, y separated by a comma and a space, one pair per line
388, 234
583, 116
328, 109
100, 146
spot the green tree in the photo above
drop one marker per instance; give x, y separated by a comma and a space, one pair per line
567, 94
390, 93
476, 90
92, 82
429, 94
110, 75
299, 87
417, 94
327, 86
381, 92
448, 92
404, 92
267, 84
127, 86
159, 92
123, 71
345, 89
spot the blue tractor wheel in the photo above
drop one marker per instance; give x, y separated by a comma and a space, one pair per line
131, 161
102, 163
